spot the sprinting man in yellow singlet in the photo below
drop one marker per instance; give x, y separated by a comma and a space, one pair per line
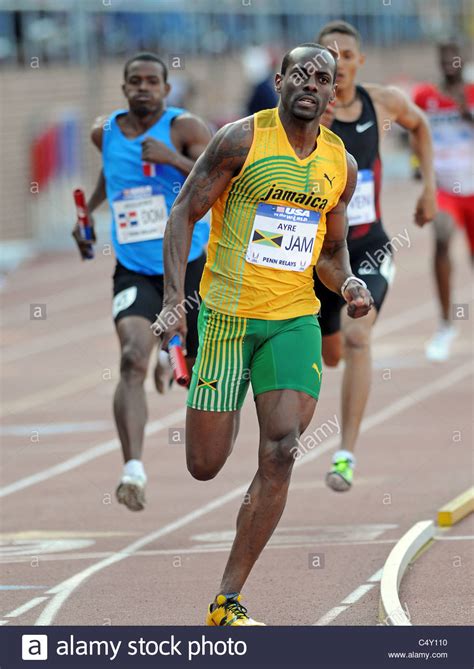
278, 184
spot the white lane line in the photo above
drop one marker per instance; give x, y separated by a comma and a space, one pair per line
69, 387
377, 577
3, 622
358, 593
22, 430
319, 534
64, 589
58, 338
407, 402
86, 456
63, 271
78, 333
25, 607
13, 588
53, 340
71, 298
330, 615
19, 314
457, 374
351, 598
459, 537
410, 317
387, 326
223, 548
41, 535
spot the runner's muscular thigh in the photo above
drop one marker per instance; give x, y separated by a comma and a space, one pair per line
135, 332
283, 412
210, 435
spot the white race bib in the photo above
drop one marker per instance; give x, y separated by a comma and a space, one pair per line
361, 208
454, 168
140, 214
453, 141
283, 237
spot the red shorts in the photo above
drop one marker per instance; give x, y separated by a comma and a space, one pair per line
461, 208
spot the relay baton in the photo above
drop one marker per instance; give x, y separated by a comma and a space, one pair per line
178, 363
83, 218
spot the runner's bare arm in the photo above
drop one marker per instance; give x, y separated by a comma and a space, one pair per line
98, 195
189, 134
194, 134
97, 131
402, 110
334, 266
221, 161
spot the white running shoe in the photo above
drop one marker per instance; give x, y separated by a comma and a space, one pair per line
438, 349
131, 492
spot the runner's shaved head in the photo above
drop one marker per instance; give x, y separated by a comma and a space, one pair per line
307, 52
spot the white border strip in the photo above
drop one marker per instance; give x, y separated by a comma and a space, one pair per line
394, 569
25, 607
350, 599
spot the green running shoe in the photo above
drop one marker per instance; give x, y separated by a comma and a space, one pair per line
341, 474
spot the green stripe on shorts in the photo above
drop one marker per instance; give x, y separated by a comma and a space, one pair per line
218, 382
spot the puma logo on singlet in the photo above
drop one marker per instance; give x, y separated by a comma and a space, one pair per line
362, 127
330, 180
305, 199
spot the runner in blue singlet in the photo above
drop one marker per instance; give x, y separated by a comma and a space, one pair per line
147, 151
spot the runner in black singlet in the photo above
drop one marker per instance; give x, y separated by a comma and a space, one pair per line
366, 234
357, 117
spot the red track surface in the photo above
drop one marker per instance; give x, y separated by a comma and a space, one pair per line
413, 456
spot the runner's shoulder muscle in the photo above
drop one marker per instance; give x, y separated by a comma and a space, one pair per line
187, 125
97, 131
221, 161
230, 146
392, 101
189, 130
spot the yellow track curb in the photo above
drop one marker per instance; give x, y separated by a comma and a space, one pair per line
457, 509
